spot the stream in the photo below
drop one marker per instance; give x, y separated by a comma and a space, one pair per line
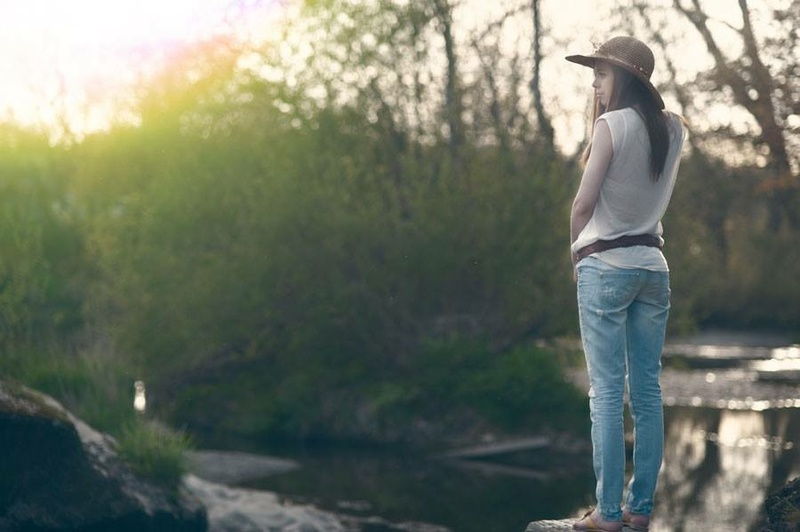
732, 437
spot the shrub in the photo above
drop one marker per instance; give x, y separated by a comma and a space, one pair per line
523, 389
154, 452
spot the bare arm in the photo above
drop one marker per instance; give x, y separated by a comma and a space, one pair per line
592, 180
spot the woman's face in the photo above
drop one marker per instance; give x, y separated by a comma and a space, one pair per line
603, 81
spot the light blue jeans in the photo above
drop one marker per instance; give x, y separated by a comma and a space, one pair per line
623, 316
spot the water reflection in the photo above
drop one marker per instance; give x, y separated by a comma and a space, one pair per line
388, 491
719, 467
721, 464
732, 433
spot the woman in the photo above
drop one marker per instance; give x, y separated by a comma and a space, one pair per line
622, 275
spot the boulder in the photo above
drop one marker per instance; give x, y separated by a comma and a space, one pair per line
57, 473
239, 509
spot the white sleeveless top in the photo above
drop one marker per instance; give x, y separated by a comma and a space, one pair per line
630, 202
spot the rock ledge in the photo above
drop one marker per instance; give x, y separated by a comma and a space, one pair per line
565, 525
57, 473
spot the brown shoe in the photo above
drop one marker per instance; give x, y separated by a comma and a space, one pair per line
635, 522
592, 521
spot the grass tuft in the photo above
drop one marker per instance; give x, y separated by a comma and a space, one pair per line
154, 452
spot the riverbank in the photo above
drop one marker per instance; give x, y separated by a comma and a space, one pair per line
215, 481
238, 510
725, 369
213, 475
731, 399
716, 415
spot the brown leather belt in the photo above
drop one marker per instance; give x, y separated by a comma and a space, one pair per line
626, 241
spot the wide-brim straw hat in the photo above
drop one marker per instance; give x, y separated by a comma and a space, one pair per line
626, 52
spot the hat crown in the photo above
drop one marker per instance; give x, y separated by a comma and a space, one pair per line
630, 51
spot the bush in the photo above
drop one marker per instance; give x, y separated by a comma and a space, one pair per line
42, 264
294, 253
521, 390
154, 452
98, 388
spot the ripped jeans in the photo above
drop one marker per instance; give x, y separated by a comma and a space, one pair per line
623, 317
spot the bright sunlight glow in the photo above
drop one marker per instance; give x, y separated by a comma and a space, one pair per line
64, 57
69, 63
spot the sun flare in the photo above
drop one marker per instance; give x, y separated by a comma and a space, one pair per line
67, 57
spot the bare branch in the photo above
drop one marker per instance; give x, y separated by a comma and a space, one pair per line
545, 127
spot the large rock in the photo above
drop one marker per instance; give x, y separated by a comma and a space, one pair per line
57, 473
243, 510
237, 509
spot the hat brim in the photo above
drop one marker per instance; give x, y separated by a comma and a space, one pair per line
585, 60
590, 60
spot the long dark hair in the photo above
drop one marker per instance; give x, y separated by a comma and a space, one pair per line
628, 91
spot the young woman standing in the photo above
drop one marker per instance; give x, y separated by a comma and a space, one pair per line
622, 275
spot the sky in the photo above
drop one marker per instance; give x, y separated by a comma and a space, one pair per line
73, 58
578, 26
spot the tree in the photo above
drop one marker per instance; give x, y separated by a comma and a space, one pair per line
735, 208
453, 103
546, 128
761, 82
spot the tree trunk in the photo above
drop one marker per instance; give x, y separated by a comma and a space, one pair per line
453, 103
545, 127
752, 87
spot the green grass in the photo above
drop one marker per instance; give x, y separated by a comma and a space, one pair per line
98, 388
154, 452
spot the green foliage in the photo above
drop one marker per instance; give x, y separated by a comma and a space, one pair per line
154, 452
299, 250
522, 389
93, 382
267, 257
40, 246
99, 390
729, 269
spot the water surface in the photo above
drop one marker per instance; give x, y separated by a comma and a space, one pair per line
732, 438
